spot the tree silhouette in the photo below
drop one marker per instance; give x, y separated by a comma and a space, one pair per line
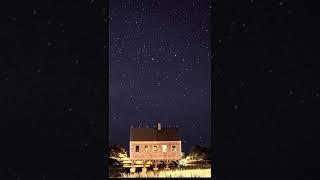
198, 153
116, 150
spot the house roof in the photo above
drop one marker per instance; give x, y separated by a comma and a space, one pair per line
153, 134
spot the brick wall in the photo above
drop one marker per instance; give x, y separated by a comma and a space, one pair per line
151, 154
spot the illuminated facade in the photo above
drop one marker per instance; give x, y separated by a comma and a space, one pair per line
156, 145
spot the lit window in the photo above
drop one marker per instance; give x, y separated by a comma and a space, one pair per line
137, 148
155, 148
146, 148
173, 148
164, 148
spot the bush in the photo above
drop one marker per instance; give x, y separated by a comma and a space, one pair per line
198, 153
117, 151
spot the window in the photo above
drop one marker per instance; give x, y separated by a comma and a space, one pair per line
155, 148
137, 148
173, 148
164, 148
146, 148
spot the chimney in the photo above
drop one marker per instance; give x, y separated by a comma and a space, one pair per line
159, 126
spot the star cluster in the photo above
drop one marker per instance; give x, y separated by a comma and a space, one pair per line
160, 67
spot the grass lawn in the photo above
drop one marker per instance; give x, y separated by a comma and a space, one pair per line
173, 173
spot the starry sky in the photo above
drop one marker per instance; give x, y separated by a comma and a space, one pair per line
54, 74
160, 68
266, 84
53, 88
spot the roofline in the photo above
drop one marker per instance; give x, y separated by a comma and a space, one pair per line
156, 141
154, 127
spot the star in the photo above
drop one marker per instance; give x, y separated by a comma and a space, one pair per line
290, 92
34, 12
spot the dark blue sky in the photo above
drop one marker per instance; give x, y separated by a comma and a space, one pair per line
160, 68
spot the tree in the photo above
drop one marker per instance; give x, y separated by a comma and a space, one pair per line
198, 153
117, 151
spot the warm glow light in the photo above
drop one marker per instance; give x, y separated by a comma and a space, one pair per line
173, 173
164, 148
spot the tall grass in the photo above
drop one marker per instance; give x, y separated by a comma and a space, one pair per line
177, 173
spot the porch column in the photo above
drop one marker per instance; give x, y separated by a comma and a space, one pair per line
155, 165
167, 162
132, 169
144, 169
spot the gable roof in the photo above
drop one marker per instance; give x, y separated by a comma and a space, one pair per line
153, 134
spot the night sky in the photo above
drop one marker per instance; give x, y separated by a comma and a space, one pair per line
53, 89
160, 68
266, 87
56, 73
